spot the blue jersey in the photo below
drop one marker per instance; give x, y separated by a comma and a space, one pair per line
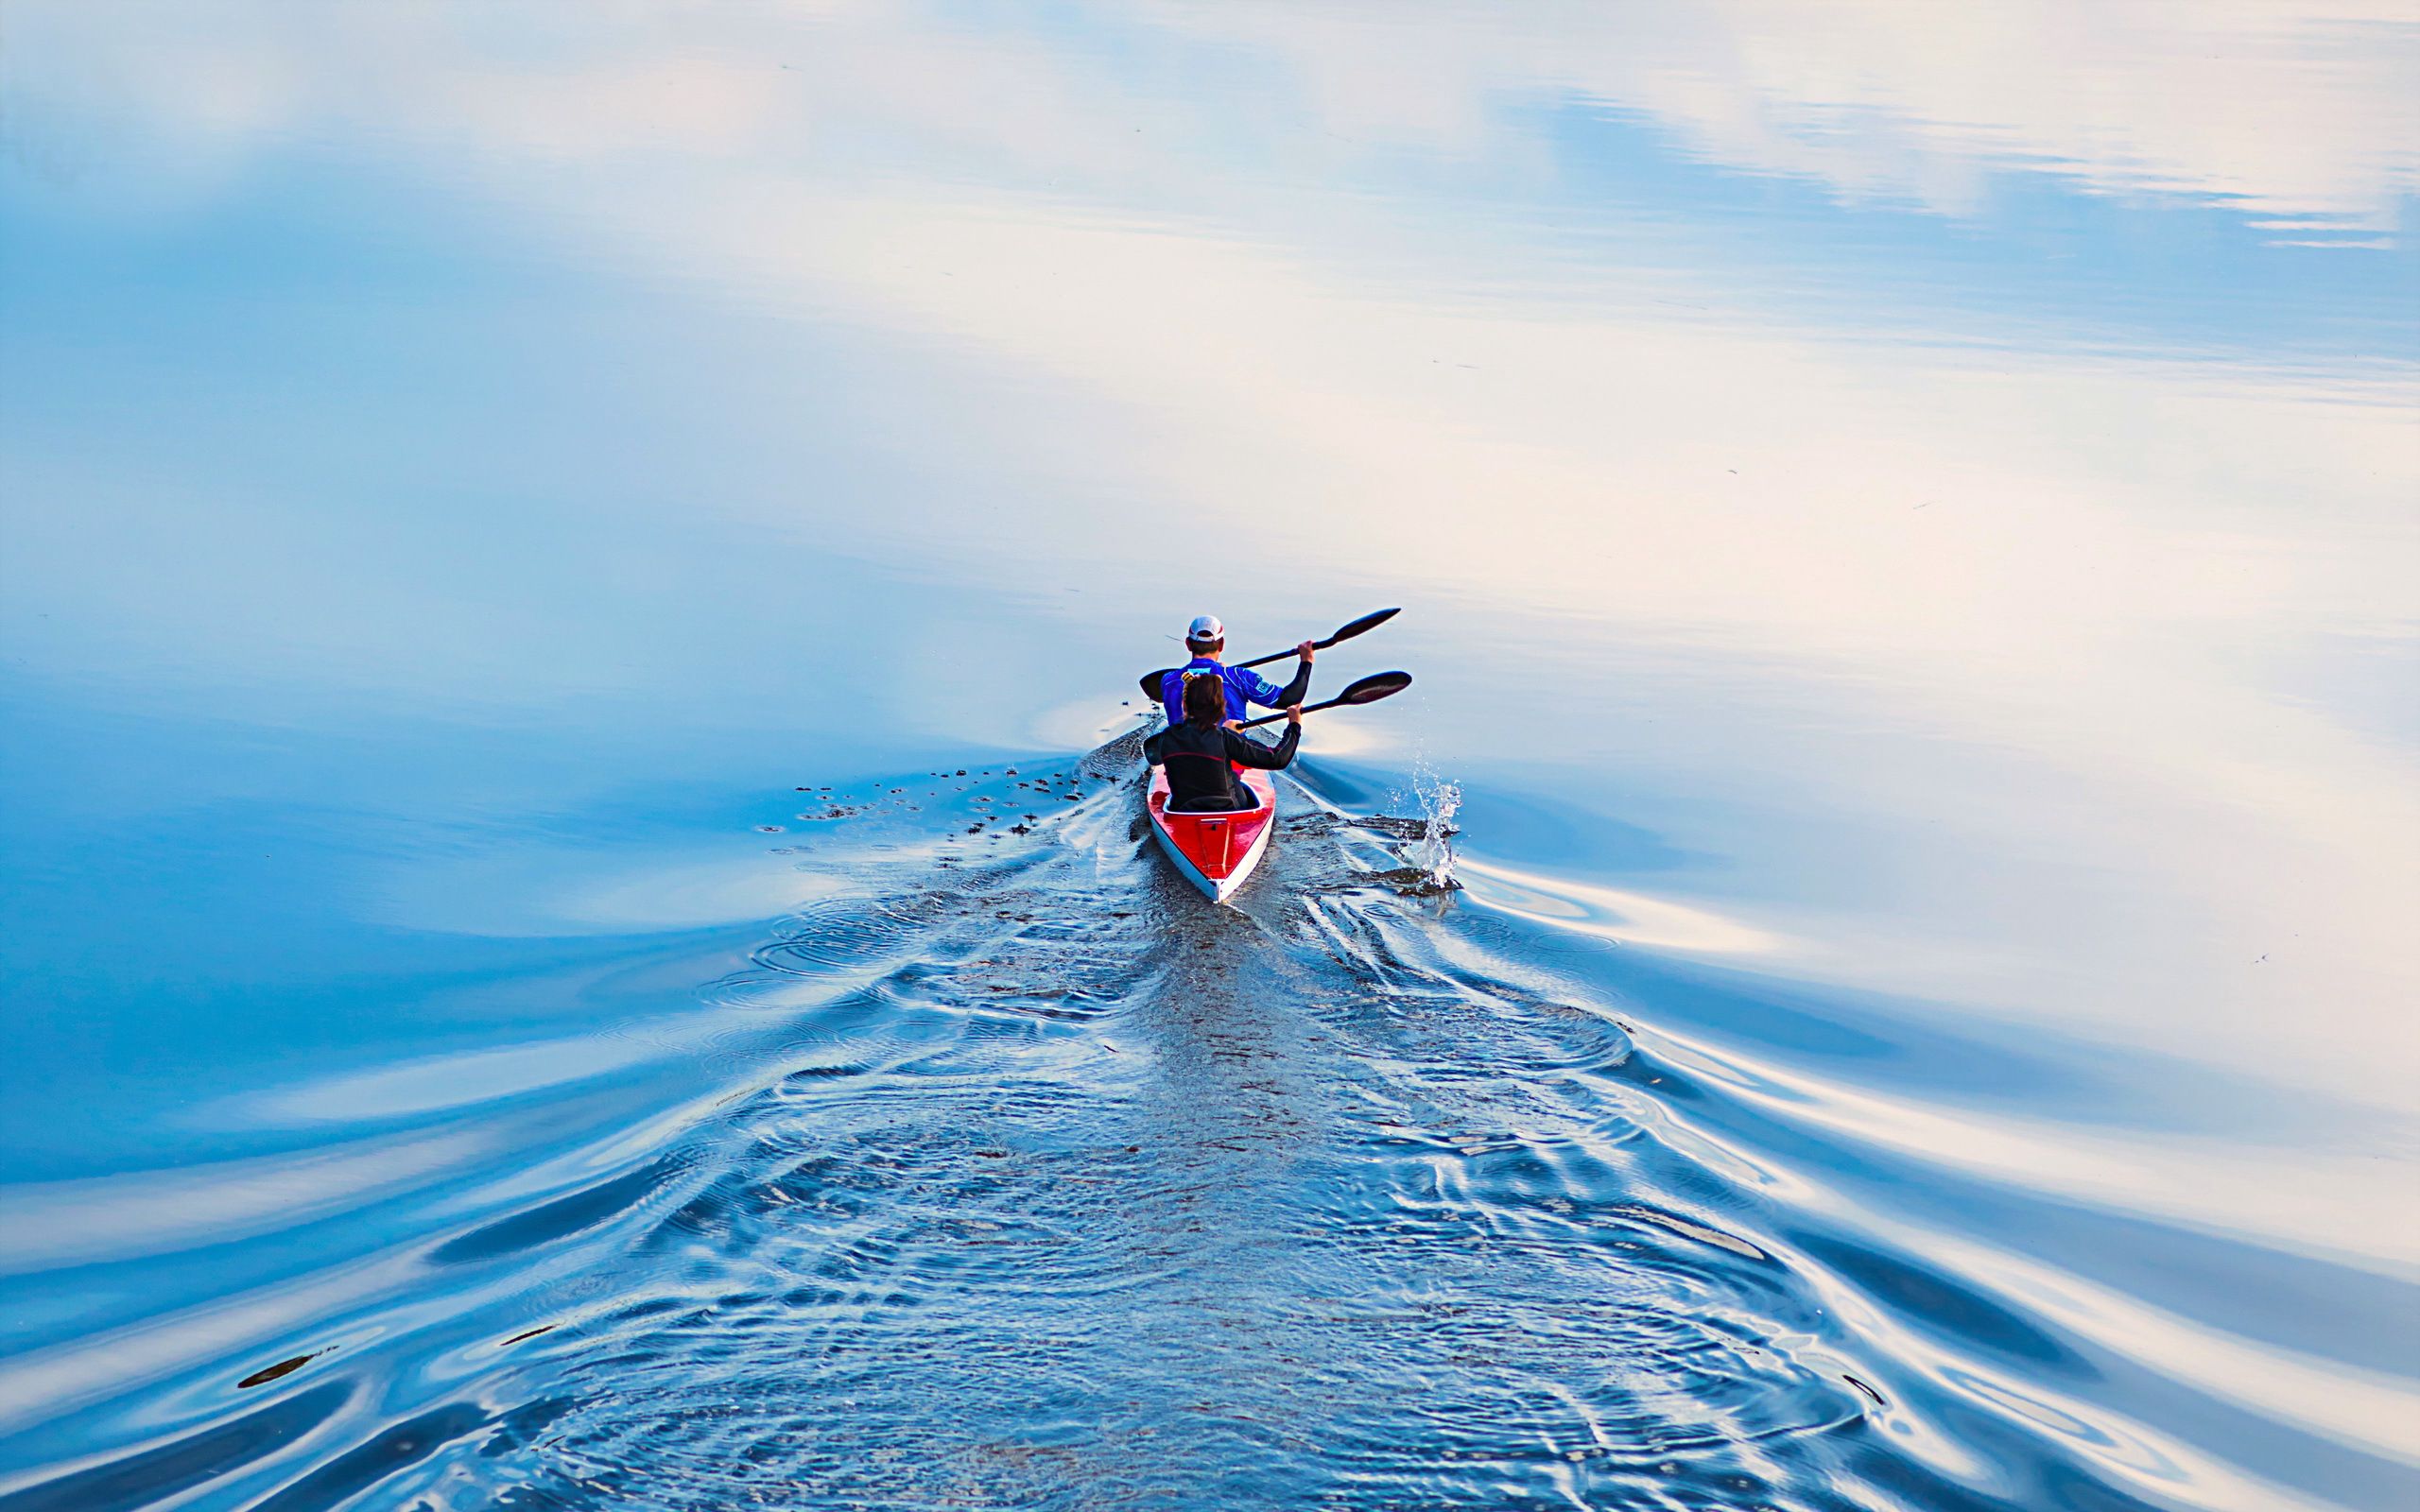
1244, 686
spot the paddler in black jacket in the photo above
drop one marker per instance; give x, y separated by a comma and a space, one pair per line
1198, 751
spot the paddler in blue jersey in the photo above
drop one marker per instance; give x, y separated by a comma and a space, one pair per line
1207, 638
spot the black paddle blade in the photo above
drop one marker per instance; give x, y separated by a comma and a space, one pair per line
1152, 680
1371, 688
1367, 622
1375, 686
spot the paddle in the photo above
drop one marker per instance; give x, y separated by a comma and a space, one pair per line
1150, 680
1371, 688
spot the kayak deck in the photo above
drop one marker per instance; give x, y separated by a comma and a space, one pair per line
1216, 852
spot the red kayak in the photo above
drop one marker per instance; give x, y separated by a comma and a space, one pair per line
1216, 852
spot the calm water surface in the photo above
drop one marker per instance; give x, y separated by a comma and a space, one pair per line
570, 583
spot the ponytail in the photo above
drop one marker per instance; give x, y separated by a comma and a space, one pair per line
1205, 699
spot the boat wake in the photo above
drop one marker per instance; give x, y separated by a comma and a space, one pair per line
1008, 1171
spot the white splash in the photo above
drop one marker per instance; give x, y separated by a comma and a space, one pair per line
1433, 853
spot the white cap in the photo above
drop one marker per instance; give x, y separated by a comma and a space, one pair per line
1205, 628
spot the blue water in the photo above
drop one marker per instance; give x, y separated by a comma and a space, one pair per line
576, 928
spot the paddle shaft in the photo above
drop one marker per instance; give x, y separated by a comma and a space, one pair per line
1367, 622
1150, 680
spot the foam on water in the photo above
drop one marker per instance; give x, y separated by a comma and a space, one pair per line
1440, 801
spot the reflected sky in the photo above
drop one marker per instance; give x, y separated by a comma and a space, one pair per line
1920, 516
1973, 468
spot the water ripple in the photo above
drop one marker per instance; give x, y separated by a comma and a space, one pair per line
1043, 1184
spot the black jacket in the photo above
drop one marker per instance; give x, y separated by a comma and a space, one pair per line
1298, 690
1196, 757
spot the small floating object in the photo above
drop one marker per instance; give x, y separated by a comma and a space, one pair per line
284, 1367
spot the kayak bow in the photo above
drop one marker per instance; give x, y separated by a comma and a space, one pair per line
1215, 851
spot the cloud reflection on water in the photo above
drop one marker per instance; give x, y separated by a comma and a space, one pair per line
1880, 503
2139, 96
2012, 564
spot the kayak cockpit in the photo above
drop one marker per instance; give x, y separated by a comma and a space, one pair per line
1216, 849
